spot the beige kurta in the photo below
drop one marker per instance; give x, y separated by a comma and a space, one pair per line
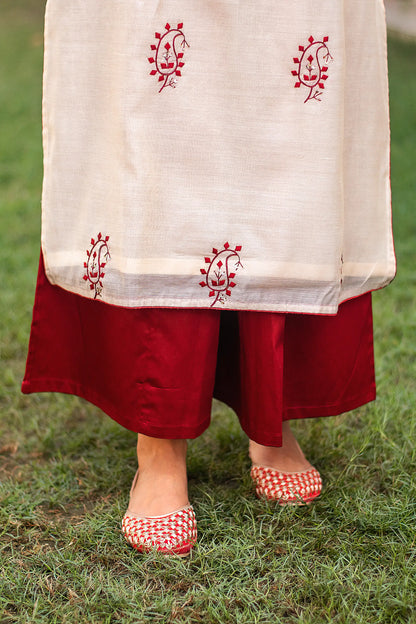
217, 153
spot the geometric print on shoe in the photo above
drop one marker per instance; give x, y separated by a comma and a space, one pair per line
287, 488
173, 533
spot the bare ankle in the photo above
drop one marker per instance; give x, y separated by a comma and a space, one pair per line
161, 486
288, 457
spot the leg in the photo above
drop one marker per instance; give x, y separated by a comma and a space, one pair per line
287, 458
328, 369
280, 470
159, 516
177, 378
152, 370
161, 486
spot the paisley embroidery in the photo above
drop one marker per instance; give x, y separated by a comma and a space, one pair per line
221, 272
98, 256
312, 67
168, 55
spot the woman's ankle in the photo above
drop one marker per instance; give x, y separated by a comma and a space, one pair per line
161, 486
287, 458
160, 454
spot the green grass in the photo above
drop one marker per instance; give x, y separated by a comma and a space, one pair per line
65, 468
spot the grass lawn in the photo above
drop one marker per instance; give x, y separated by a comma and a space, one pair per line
65, 468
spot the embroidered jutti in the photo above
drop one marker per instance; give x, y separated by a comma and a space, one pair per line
222, 154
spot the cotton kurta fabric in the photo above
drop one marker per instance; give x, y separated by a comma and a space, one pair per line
231, 154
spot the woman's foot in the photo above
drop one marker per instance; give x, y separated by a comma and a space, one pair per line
287, 458
159, 516
161, 486
283, 474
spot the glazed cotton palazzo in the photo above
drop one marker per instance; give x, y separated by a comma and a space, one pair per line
155, 370
225, 154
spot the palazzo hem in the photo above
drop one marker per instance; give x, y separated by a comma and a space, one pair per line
261, 437
64, 387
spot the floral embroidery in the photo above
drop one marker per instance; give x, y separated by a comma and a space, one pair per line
168, 59
98, 256
311, 72
221, 272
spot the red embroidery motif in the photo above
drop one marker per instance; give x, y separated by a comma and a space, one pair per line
168, 59
312, 67
221, 272
98, 256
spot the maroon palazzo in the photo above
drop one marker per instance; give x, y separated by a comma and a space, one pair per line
155, 370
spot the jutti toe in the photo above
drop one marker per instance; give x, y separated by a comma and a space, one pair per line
171, 534
287, 488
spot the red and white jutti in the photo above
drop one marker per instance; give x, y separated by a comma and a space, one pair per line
287, 488
170, 534
226, 155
